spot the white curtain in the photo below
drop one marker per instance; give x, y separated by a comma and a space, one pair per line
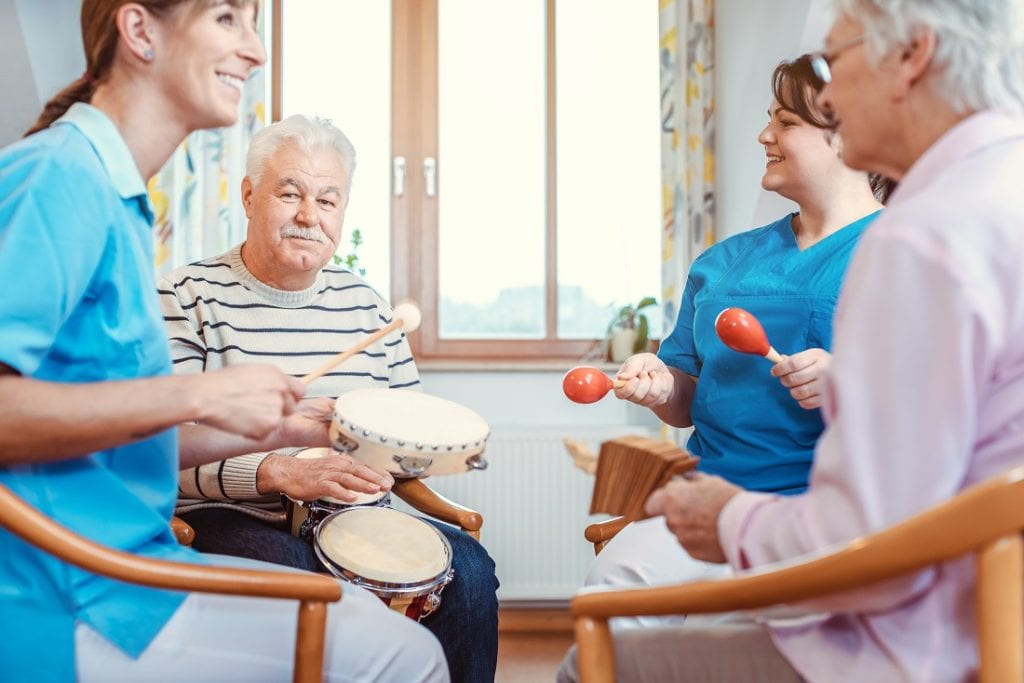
687, 149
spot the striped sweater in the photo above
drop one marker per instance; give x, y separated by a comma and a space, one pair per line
218, 314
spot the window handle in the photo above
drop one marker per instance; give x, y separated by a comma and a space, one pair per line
430, 175
398, 175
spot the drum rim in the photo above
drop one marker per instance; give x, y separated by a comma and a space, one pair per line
386, 589
373, 436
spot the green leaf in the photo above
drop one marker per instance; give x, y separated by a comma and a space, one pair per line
645, 302
642, 331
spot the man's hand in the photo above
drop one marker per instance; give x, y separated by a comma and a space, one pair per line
804, 375
691, 507
648, 380
333, 476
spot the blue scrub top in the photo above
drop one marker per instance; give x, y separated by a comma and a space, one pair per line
79, 305
747, 428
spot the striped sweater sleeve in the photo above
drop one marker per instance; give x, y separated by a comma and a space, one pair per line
228, 480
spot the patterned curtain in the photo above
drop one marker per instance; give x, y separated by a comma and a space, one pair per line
196, 195
687, 147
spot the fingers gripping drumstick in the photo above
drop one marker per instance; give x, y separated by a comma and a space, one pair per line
406, 316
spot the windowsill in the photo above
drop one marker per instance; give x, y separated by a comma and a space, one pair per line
508, 365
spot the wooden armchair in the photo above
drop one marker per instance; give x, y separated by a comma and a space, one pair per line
429, 502
313, 592
985, 520
599, 533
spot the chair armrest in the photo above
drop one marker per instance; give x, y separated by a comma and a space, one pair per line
599, 533
978, 516
418, 495
183, 531
28, 523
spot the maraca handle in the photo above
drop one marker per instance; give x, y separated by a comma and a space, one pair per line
619, 383
774, 356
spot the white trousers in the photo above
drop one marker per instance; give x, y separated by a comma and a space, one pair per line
218, 638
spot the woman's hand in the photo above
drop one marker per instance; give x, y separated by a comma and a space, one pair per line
804, 375
648, 380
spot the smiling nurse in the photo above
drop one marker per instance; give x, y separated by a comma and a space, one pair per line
88, 404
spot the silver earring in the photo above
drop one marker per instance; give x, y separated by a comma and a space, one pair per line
148, 54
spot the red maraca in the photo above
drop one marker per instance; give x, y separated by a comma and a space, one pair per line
586, 384
740, 331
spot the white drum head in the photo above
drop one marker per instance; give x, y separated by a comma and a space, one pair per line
384, 545
412, 417
408, 433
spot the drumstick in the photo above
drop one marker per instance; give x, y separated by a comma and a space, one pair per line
406, 316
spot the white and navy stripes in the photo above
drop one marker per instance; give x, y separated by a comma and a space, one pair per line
218, 314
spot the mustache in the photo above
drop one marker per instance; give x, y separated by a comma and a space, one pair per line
311, 234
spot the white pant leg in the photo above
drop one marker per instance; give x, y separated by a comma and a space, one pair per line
646, 553
218, 638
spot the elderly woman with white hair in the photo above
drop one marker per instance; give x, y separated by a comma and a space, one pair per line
926, 389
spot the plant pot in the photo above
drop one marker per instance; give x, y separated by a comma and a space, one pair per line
620, 344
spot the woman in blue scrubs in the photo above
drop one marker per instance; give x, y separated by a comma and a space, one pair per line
754, 424
88, 403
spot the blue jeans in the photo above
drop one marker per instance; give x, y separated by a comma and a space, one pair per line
466, 623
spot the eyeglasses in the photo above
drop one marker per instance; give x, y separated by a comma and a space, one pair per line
821, 62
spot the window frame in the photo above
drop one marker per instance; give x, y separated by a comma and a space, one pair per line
414, 216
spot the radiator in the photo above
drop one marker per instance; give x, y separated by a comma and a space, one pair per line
534, 502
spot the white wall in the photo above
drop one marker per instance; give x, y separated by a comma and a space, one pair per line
41, 50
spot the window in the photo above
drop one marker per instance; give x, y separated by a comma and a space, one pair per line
509, 174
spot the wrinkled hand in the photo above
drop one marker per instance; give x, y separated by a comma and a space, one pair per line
334, 476
245, 399
804, 375
691, 507
648, 380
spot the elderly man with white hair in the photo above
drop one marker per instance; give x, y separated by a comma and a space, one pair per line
926, 389
276, 298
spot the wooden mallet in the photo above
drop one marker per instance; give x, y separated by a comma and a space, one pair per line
406, 316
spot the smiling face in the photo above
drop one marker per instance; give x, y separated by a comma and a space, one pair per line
204, 58
295, 212
798, 153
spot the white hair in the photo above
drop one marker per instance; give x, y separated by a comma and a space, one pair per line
979, 52
310, 133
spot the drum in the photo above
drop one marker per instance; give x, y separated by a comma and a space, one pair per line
303, 516
408, 433
400, 558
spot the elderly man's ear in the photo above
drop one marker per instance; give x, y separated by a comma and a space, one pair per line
247, 190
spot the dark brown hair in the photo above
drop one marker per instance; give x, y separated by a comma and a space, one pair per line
795, 88
99, 38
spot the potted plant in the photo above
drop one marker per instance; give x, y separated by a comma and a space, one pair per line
351, 261
628, 331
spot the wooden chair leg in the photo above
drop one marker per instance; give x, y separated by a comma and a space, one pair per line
594, 651
309, 643
1001, 609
